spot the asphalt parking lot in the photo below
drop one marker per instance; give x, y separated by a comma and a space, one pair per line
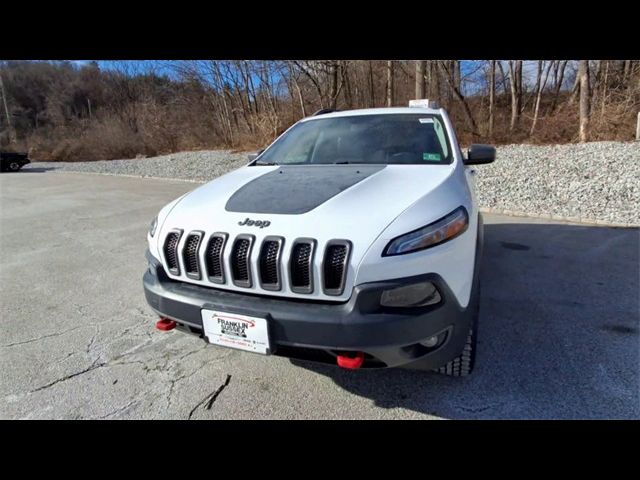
558, 335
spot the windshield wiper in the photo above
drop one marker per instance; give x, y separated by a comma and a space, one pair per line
341, 163
265, 163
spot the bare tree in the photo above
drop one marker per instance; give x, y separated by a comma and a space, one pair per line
626, 70
420, 78
346, 81
558, 77
585, 94
575, 91
390, 83
448, 69
132, 108
12, 133
333, 93
309, 70
372, 89
492, 96
605, 82
505, 78
515, 77
434, 80
541, 84
457, 77
221, 98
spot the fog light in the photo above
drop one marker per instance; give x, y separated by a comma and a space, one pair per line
430, 342
416, 295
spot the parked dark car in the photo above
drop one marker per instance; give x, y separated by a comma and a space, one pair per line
12, 162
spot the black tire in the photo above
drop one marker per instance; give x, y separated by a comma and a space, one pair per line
463, 364
14, 166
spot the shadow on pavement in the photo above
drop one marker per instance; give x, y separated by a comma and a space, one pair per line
558, 332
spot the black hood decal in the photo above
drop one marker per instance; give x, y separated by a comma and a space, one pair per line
297, 189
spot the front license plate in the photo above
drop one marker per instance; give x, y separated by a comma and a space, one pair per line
236, 331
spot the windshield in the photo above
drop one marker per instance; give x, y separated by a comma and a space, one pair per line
409, 139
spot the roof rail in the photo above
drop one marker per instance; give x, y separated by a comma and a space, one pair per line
322, 111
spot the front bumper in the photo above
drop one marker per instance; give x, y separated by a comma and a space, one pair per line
318, 331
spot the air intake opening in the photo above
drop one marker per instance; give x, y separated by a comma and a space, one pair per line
170, 250
301, 266
335, 263
190, 255
241, 260
270, 263
213, 257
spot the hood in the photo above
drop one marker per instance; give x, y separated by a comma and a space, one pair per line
354, 202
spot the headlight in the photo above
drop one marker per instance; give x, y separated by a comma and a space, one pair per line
433, 234
153, 226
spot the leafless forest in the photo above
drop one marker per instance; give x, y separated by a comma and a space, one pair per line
83, 111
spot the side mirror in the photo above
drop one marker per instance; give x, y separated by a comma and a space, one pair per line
253, 156
478, 154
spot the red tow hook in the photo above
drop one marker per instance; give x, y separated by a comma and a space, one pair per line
351, 363
165, 324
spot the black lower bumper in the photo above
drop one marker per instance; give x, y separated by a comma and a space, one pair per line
314, 330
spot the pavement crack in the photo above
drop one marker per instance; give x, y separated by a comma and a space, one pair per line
60, 360
93, 339
192, 352
210, 399
173, 382
93, 366
56, 334
218, 392
118, 410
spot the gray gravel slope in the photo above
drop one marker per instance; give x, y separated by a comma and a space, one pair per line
198, 166
595, 181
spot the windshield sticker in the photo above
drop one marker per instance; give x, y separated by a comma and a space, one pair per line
425, 120
431, 157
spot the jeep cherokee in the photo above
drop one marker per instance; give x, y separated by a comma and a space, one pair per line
353, 239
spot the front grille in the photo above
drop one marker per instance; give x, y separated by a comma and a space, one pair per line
301, 267
213, 257
190, 255
171, 251
335, 262
270, 263
206, 257
240, 261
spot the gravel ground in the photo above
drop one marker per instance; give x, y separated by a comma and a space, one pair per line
197, 166
595, 181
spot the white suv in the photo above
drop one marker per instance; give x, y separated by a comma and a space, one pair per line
354, 239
